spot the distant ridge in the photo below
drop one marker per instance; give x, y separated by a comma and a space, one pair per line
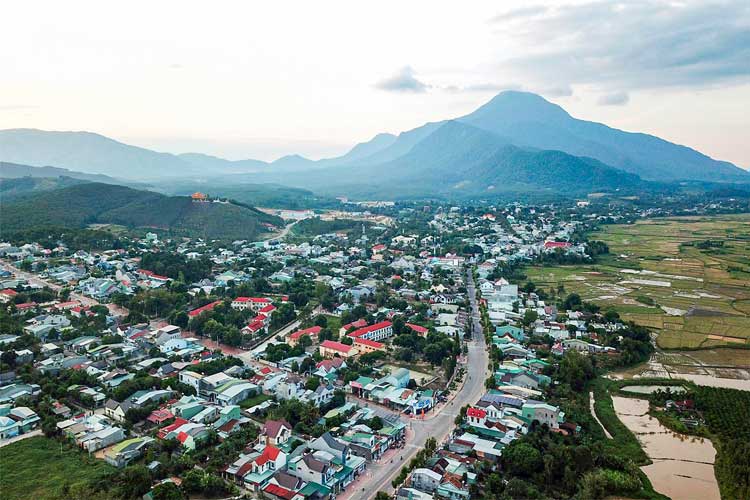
523, 120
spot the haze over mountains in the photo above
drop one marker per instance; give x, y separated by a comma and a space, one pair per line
516, 141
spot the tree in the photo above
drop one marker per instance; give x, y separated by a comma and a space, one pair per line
522, 459
529, 317
167, 491
312, 383
135, 480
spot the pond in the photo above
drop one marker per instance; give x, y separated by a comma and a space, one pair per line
682, 465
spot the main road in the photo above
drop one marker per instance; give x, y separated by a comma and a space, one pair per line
440, 423
35, 280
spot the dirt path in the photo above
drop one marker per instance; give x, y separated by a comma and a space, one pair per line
593, 414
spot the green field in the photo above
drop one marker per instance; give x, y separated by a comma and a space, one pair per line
36, 468
701, 296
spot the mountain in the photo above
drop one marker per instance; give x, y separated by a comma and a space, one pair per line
366, 149
14, 170
525, 121
460, 160
89, 153
530, 120
220, 164
84, 204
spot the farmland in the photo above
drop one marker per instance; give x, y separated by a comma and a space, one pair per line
688, 278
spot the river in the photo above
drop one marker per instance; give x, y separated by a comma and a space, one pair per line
682, 465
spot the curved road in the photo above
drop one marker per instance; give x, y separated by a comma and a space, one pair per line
440, 423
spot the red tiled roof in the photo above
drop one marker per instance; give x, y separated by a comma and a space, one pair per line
228, 425
9, 292
556, 244
252, 299
256, 325
268, 309
371, 328
336, 346
307, 331
476, 412
207, 307
417, 328
174, 425
355, 324
269, 453
276, 490
369, 343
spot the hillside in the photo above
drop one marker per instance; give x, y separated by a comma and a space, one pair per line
15, 187
80, 205
14, 170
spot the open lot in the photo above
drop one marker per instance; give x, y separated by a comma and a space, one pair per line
660, 273
38, 468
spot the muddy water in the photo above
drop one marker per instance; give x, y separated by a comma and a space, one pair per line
683, 465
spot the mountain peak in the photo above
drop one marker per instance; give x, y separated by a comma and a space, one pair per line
514, 106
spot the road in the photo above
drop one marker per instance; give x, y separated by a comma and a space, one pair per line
21, 437
280, 236
440, 422
33, 279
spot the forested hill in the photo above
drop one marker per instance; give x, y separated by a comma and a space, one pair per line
83, 204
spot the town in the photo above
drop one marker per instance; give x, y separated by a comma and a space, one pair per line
399, 357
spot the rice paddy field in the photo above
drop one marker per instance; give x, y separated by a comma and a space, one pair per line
661, 273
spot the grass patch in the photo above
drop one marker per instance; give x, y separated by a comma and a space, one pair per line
254, 401
36, 468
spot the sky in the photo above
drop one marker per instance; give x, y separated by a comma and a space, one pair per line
264, 79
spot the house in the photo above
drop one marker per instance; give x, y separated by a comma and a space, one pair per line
263, 466
255, 304
542, 413
116, 410
124, 452
295, 337
418, 329
331, 348
365, 346
425, 479
18, 420
310, 469
200, 310
98, 439
360, 323
326, 442
275, 432
378, 331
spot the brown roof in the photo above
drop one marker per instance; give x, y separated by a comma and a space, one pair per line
273, 427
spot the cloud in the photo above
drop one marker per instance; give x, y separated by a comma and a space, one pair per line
520, 13
403, 81
614, 99
559, 91
630, 45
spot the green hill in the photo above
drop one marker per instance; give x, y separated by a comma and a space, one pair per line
14, 188
80, 205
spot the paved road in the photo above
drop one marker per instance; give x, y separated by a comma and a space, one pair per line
282, 234
440, 422
34, 279
21, 437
